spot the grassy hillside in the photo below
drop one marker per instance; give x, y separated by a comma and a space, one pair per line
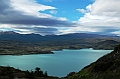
10, 47
17, 44
12, 73
20, 48
105, 44
106, 67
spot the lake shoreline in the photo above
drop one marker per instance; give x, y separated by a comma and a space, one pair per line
43, 52
53, 62
46, 52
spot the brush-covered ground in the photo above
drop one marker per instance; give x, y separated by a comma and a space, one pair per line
106, 67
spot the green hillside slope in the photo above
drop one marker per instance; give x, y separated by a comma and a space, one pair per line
106, 67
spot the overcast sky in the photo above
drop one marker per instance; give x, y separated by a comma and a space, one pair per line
48, 17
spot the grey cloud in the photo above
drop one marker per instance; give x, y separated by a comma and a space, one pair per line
40, 30
45, 31
107, 31
31, 20
10, 16
4, 5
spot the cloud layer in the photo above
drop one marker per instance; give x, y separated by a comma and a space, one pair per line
27, 13
27, 16
103, 16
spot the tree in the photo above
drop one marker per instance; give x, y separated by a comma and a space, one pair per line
45, 74
37, 70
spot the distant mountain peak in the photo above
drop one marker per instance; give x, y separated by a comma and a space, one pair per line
8, 32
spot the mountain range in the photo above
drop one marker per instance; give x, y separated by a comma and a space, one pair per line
12, 43
10, 35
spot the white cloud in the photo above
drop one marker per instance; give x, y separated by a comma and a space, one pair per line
31, 7
48, 0
81, 10
53, 11
62, 18
28, 5
106, 7
102, 16
116, 32
24, 16
87, 10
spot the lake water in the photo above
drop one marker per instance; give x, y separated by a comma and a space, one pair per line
58, 64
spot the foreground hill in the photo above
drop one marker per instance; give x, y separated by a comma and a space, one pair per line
12, 73
106, 67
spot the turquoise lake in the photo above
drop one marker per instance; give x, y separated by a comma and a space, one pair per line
58, 64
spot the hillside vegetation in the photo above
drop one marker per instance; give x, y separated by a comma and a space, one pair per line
12, 43
12, 73
106, 67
